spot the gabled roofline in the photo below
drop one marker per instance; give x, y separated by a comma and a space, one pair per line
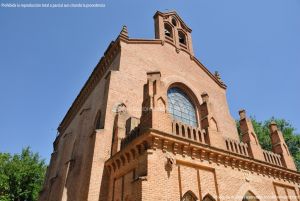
99, 71
193, 58
112, 50
177, 16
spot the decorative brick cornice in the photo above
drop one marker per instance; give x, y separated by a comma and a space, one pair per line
143, 41
157, 140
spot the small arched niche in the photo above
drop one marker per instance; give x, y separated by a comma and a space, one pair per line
254, 137
208, 197
213, 124
189, 196
161, 104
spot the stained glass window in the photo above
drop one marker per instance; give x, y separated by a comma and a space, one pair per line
181, 107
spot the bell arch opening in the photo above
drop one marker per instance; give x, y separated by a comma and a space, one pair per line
168, 30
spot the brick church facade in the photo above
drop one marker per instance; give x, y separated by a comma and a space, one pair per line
153, 123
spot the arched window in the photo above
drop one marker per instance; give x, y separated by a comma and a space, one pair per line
182, 38
168, 31
189, 196
97, 123
174, 22
249, 196
181, 107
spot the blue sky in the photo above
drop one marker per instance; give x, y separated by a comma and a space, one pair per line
46, 55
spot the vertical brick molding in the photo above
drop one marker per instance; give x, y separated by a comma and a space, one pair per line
209, 123
249, 136
159, 27
154, 112
279, 146
119, 127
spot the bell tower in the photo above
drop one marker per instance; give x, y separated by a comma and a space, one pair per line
170, 28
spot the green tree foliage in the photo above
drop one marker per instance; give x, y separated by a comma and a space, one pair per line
21, 176
291, 138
